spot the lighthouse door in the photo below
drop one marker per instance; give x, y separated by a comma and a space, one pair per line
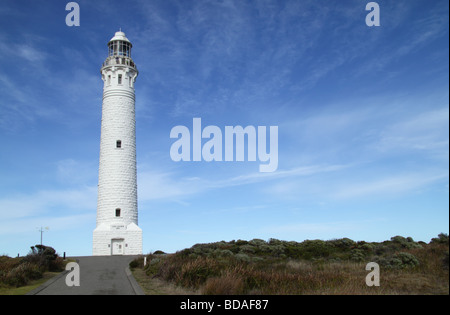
117, 247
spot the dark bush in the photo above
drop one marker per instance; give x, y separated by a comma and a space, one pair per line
241, 242
45, 257
135, 264
315, 249
441, 239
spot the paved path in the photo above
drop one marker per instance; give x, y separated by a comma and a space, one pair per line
100, 275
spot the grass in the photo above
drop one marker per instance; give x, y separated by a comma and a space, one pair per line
312, 267
7, 290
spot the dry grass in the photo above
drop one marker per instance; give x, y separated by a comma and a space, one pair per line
287, 276
155, 286
213, 277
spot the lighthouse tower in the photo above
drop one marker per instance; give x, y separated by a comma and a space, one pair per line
117, 231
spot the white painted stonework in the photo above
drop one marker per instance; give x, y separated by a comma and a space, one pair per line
117, 231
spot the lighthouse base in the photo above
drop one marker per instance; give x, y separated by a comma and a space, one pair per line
117, 240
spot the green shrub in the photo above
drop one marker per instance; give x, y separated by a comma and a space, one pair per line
242, 257
31, 272
403, 242
367, 247
398, 261
274, 241
342, 243
277, 250
398, 239
257, 242
315, 249
226, 253
153, 265
249, 249
20, 275
357, 255
407, 260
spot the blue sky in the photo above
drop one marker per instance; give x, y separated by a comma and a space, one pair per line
362, 112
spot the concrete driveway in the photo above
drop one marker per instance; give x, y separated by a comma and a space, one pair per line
99, 275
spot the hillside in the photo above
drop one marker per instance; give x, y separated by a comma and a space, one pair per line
309, 267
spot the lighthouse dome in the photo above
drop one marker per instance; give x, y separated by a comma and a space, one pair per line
120, 36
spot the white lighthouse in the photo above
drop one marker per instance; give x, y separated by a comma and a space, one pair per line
117, 231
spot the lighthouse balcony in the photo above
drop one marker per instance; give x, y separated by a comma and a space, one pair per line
114, 60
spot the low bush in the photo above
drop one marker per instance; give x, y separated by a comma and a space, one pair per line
19, 271
357, 255
137, 263
398, 261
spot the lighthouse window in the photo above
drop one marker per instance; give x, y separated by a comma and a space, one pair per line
127, 50
118, 144
120, 79
109, 79
114, 47
118, 212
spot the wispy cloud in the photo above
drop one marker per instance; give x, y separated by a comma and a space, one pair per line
44, 202
427, 131
394, 185
235, 54
56, 223
29, 53
166, 185
281, 174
